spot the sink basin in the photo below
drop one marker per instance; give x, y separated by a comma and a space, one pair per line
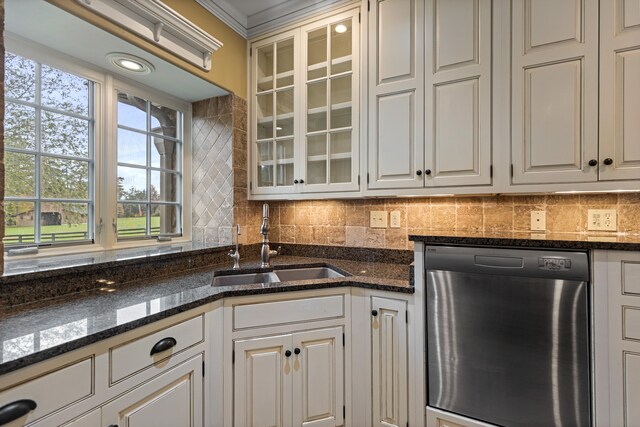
244, 279
307, 274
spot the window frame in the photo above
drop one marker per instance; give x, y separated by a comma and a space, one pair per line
104, 186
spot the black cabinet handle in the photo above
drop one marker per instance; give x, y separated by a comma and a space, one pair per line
302, 181
374, 313
427, 172
287, 353
608, 161
418, 172
163, 345
295, 181
113, 425
593, 162
296, 351
15, 410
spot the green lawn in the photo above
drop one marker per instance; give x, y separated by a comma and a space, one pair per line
123, 224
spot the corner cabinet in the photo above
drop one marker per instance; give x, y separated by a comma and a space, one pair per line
304, 110
430, 121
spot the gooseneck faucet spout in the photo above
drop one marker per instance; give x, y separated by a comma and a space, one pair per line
266, 253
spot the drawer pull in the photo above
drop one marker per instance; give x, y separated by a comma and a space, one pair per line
163, 345
14, 410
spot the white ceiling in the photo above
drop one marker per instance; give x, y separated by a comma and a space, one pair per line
251, 18
47, 25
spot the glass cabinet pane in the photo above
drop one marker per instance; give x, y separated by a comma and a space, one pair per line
284, 61
317, 159
264, 72
265, 116
265, 164
317, 106
317, 54
284, 113
284, 156
340, 102
341, 49
340, 157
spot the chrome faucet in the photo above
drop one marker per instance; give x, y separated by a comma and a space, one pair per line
266, 253
236, 255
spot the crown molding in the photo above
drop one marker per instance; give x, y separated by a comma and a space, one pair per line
227, 13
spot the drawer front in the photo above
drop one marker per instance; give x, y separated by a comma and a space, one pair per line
130, 358
288, 311
631, 277
53, 391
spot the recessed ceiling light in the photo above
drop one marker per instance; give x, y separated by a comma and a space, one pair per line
341, 28
278, 128
130, 63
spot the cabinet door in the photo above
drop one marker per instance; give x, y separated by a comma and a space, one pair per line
318, 379
458, 93
262, 382
330, 53
554, 105
273, 112
396, 95
389, 358
619, 89
174, 398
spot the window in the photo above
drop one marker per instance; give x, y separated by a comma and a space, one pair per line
49, 134
56, 160
149, 150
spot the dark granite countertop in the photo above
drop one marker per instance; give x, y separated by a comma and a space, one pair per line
571, 241
34, 332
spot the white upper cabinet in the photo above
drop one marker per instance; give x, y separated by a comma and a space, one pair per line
554, 77
620, 89
458, 93
305, 116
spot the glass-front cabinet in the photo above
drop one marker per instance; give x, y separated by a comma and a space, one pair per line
304, 109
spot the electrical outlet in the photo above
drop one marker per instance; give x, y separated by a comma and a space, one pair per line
395, 219
602, 220
538, 220
378, 219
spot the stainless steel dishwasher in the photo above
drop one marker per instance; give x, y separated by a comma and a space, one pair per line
507, 334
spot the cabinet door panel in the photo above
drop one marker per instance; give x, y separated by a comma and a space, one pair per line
389, 351
318, 382
396, 94
262, 382
620, 89
554, 74
631, 368
458, 93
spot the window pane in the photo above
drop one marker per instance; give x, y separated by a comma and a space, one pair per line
65, 91
132, 183
164, 120
19, 126
20, 78
64, 179
63, 222
163, 187
164, 153
132, 147
164, 219
132, 111
132, 220
65, 135
20, 175
19, 222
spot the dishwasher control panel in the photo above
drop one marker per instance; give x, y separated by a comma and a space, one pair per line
554, 263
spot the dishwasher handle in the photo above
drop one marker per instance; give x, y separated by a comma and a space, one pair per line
498, 261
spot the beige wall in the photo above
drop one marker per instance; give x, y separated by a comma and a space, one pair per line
229, 69
345, 222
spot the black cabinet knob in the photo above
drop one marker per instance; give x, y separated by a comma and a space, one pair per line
418, 172
296, 351
374, 313
15, 410
593, 162
608, 161
295, 181
287, 353
427, 172
163, 345
302, 181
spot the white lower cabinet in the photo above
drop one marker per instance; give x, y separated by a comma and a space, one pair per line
91, 419
290, 379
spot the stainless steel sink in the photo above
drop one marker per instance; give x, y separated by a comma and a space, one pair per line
245, 279
310, 273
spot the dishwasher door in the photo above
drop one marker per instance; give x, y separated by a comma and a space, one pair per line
508, 336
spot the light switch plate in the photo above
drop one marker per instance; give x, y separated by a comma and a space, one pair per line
395, 219
378, 219
538, 220
602, 220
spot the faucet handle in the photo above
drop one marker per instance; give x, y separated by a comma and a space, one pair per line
238, 230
